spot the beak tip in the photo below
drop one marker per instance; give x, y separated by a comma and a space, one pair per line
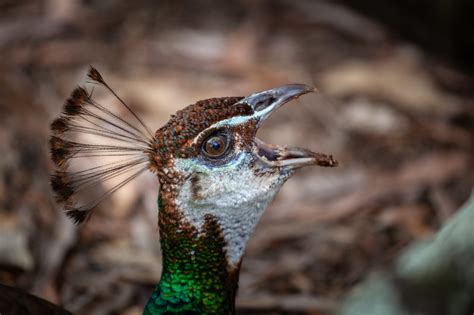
325, 160
304, 89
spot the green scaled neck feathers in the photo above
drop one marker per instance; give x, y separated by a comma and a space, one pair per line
195, 278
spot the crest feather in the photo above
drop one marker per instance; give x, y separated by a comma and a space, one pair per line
90, 146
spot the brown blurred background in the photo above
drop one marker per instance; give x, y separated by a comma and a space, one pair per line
395, 108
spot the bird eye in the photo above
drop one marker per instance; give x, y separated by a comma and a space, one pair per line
215, 146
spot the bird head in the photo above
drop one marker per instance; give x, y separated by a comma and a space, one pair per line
210, 163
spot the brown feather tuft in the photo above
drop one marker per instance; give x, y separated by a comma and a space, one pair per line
78, 215
60, 125
60, 150
95, 75
75, 103
62, 186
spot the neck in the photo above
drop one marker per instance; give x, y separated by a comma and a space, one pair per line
196, 276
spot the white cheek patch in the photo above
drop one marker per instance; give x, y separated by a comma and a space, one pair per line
234, 195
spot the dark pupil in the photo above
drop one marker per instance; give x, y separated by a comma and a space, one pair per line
215, 146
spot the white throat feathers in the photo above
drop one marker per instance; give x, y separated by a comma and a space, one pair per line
236, 197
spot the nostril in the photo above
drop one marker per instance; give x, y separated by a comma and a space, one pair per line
264, 103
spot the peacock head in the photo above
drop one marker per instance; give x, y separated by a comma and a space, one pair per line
210, 163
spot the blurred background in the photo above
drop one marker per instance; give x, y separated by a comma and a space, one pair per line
395, 108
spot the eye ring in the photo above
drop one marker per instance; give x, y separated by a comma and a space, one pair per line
215, 145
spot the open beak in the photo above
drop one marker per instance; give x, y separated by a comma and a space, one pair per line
264, 104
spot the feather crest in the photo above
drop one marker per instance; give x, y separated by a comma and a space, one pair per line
90, 146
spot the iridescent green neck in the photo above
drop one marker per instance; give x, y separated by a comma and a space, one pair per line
196, 278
